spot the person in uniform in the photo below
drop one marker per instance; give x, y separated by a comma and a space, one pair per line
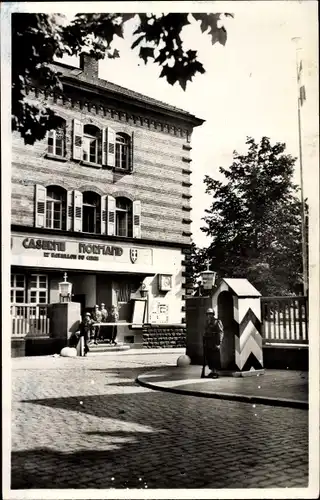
104, 312
103, 328
113, 318
212, 339
97, 318
86, 331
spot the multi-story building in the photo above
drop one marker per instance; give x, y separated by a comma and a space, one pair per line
106, 199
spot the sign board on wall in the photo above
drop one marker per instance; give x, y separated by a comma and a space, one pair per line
139, 312
165, 282
75, 250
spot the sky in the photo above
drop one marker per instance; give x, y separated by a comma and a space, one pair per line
249, 88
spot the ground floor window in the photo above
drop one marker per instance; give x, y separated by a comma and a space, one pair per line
38, 289
32, 288
18, 288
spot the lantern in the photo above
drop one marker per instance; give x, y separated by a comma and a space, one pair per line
208, 278
143, 291
65, 289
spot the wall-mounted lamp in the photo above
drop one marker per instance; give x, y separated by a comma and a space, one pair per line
65, 289
208, 278
143, 291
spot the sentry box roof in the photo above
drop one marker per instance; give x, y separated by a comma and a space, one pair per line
242, 287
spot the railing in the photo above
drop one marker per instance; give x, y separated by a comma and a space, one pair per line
29, 319
285, 319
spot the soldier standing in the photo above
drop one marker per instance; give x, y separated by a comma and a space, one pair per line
85, 331
97, 318
104, 313
212, 340
113, 318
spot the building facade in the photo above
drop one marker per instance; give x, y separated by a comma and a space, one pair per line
106, 199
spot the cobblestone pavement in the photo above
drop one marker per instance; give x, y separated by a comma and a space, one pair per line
85, 423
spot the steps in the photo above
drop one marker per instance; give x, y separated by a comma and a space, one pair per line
106, 347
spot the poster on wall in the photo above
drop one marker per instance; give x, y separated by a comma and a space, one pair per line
163, 313
139, 312
160, 313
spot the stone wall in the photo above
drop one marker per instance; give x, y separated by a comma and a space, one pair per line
163, 336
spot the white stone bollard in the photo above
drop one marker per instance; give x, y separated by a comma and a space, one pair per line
68, 352
183, 361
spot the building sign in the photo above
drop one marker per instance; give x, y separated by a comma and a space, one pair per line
57, 249
78, 250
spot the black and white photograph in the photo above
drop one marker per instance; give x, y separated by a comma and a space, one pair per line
160, 240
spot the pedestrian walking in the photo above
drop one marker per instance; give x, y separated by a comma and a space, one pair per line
86, 331
97, 318
212, 339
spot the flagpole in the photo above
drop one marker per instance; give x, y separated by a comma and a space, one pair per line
302, 205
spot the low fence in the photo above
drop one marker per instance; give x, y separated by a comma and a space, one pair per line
285, 319
29, 319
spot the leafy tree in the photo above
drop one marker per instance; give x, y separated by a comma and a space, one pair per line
255, 219
195, 263
38, 38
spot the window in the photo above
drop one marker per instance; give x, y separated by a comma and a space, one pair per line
38, 289
92, 148
56, 141
55, 208
122, 151
91, 210
123, 217
18, 287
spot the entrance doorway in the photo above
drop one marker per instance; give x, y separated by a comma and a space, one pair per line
230, 326
81, 298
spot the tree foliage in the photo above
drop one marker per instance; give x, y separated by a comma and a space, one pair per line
38, 38
196, 262
255, 219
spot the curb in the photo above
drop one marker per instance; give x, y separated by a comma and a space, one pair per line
286, 403
127, 352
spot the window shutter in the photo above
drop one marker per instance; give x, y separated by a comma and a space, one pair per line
69, 211
136, 209
104, 146
40, 206
50, 141
77, 207
100, 146
77, 139
131, 154
111, 147
111, 213
103, 214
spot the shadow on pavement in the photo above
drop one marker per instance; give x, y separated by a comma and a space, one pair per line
126, 372
133, 383
167, 451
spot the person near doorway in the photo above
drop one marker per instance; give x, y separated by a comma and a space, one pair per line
113, 317
104, 329
97, 318
86, 331
104, 312
212, 339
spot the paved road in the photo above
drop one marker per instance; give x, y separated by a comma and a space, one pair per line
85, 423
